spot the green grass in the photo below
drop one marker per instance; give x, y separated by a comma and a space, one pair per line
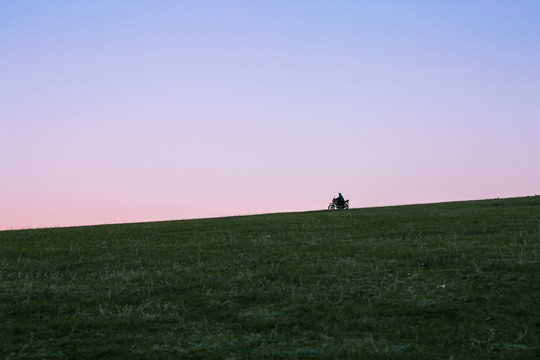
438, 281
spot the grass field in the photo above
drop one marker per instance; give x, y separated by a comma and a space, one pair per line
437, 281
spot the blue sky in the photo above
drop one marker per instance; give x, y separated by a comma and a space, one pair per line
138, 110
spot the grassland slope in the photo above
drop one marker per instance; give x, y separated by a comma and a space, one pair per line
421, 281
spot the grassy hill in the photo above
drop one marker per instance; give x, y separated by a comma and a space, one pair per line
452, 280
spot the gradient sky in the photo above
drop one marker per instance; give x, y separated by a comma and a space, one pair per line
131, 111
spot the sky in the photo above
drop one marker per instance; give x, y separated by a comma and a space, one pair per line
134, 111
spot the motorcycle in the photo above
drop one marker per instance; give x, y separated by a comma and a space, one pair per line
334, 205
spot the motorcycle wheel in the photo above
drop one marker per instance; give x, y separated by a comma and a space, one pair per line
331, 207
346, 206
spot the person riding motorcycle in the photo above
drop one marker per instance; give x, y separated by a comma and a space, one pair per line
340, 200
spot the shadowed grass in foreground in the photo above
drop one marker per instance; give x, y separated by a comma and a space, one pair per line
422, 281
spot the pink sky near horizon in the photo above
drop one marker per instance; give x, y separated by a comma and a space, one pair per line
142, 111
